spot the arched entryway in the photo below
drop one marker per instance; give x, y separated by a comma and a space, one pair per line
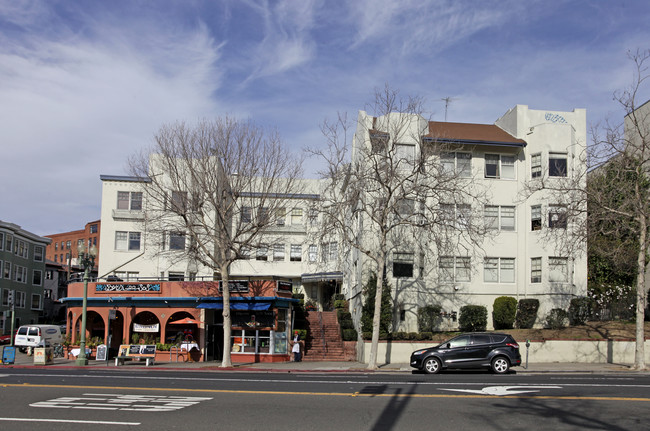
182, 326
145, 328
95, 328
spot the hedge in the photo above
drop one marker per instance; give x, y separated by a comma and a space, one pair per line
526, 313
472, 318
504, 311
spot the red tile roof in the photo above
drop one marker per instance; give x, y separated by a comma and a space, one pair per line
467, 132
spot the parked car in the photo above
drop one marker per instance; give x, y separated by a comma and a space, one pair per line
493, 350
5, 339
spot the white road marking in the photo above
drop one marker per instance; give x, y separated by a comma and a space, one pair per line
69, 421
504, 390
142, 403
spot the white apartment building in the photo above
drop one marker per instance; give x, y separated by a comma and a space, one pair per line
516, 258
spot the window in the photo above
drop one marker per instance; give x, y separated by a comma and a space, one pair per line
280, 216
329, 251
263, 215
246, 214
93, 227
56, 246
296, 216
313, 253
9, 242
378, 142
312, 216
557, 217
36, 301
245, 253
2, 240
403, 264
278, 252
37, 277
21, 297
405, 152
499, 217
49, 274
536, 217
176, 241
454, 269
20, 274
80, 242
457, 216
127, 241
557, 166
262, 252
558, 269
405, 207
5, 297
499, 166
129, 275
21, 248
38, 253
68, 244
536, 270
536, 165
499, 270
176, 276
457, 163
125, 201
295, 254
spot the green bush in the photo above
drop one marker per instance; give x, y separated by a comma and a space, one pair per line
526, 313
345, 319
350, 334
557, 318
399, 335
367, 335
504, 311
579, 311
339, 297
368, 310
340, 304
298, 296
428, 318
425, 336
472, 318
302, 332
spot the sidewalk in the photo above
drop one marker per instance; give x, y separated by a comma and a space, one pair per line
23, 360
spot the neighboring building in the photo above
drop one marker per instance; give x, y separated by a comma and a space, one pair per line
63, 248
517, 260
55, 288
22, 275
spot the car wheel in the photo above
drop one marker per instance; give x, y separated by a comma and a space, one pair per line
431, 366
500, 365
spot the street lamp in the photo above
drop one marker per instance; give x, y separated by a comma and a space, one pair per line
85, 259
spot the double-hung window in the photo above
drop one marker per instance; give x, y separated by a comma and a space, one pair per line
127, 201
458, 163
295, 253
536, 270
313, 252
127, 241
246, 215
262, 252
453, 269
536, 217
499, 166
296, 216
38, 253
176, 241
558, 269
499, 270
499, 217
557, 217
536, 165
278, 252
403, 264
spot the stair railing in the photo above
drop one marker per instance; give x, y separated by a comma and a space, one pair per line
322, 330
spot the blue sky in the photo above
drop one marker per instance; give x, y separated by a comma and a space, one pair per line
86, 84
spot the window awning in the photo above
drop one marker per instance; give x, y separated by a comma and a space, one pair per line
321, 276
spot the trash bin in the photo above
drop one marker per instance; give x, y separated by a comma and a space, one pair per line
43, 354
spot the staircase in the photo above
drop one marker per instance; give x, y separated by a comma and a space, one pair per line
323, 341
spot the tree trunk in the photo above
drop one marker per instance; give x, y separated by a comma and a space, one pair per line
639, 351
227, 321
376, 319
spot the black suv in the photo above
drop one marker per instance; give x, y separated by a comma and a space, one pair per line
491, 350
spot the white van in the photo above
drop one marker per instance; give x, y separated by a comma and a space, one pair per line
33, 335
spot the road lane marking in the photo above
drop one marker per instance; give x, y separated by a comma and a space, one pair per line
501, 391
72, 421
333, 394
141, 403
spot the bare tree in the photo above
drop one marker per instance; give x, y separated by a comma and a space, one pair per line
614, 189
217, 184
391, 193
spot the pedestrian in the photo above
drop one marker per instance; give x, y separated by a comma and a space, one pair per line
297, 351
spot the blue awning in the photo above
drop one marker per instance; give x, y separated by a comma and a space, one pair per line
253, 306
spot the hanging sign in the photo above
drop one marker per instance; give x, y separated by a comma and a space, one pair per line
146, 328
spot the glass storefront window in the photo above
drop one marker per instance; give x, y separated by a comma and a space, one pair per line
251, 341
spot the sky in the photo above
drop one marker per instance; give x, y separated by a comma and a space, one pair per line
86, 84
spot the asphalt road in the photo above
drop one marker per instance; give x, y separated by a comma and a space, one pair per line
34, 399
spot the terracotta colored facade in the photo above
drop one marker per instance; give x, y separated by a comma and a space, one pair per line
63, 248
154, 312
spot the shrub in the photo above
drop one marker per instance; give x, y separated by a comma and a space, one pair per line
298, 296
368, 310
473, 318
367, 335
428, 318
526, 313
504, 311
557, 318
340, 304
350, 334
425, 336
579, 311
399, 336
302, 332
339, 297
345, 319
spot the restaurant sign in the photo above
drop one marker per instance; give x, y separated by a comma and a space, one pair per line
128, 287
146, 328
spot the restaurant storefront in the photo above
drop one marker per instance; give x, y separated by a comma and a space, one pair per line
175, 312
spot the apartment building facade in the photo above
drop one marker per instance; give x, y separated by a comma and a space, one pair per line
64, 246
518, 255
22, 275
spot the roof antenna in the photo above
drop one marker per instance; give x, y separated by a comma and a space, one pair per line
447, 101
